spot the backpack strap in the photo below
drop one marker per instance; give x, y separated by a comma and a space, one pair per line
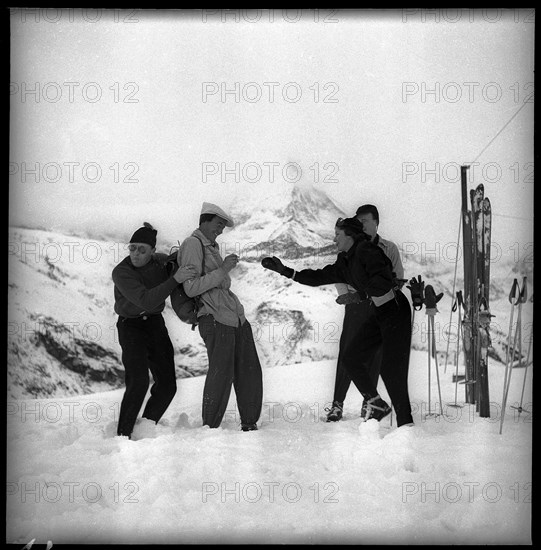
203, 250
197, 299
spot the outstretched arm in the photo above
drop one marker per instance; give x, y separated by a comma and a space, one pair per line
310, 277
317, 277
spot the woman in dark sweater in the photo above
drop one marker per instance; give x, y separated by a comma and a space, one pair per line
363, 265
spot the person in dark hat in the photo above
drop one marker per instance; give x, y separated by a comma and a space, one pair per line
357, 309
363, 265
141, 285
228, 337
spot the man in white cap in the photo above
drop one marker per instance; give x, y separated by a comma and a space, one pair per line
228, 337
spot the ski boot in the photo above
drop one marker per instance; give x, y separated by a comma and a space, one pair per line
375, 408
363, 410
334, 414
248, 427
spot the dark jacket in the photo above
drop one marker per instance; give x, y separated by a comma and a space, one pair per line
144, 289
364, 266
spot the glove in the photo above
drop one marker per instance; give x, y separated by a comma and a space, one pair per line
274, 264
399, 283
348, 298
417, 289
430, 297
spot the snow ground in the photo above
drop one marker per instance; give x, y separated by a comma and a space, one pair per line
450, 479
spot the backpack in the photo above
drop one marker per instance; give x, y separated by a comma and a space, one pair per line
183, 305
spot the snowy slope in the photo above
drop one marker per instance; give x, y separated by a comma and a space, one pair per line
450, 479
61, 325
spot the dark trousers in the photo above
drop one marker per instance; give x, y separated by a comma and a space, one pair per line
355, 316
388, 326
145, 346
233, 361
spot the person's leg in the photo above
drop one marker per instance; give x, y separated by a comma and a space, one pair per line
395, 324
374, 364
133, 340
248, 379
220, 343
353, 347
360, 354
342, 380
162, 366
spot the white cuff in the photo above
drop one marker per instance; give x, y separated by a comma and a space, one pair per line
380, 300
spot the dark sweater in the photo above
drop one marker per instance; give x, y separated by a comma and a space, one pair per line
364, 266
144, 289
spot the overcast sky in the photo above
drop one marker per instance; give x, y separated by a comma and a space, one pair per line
118, 117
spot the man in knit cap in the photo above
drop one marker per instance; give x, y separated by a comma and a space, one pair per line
141, 285
227, 334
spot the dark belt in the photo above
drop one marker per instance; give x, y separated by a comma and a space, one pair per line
142, 317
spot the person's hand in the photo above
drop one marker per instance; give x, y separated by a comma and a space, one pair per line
417, 289
348, 298
274, 264
399, 283
184, 273
230, 262
431, 299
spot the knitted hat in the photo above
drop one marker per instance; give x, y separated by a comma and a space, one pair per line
209, 208
145, 234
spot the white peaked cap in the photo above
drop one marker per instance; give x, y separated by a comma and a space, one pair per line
209, 208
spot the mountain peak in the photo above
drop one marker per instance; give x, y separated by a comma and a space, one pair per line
304, 216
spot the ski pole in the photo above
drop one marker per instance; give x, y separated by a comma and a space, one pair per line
454, 286
508, 367
453, 309
431, 319
431, 343
513, 301
458, 303
430, 309
429, 369
522, 299
519, 408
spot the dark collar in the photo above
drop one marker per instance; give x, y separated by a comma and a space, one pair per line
351, 252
